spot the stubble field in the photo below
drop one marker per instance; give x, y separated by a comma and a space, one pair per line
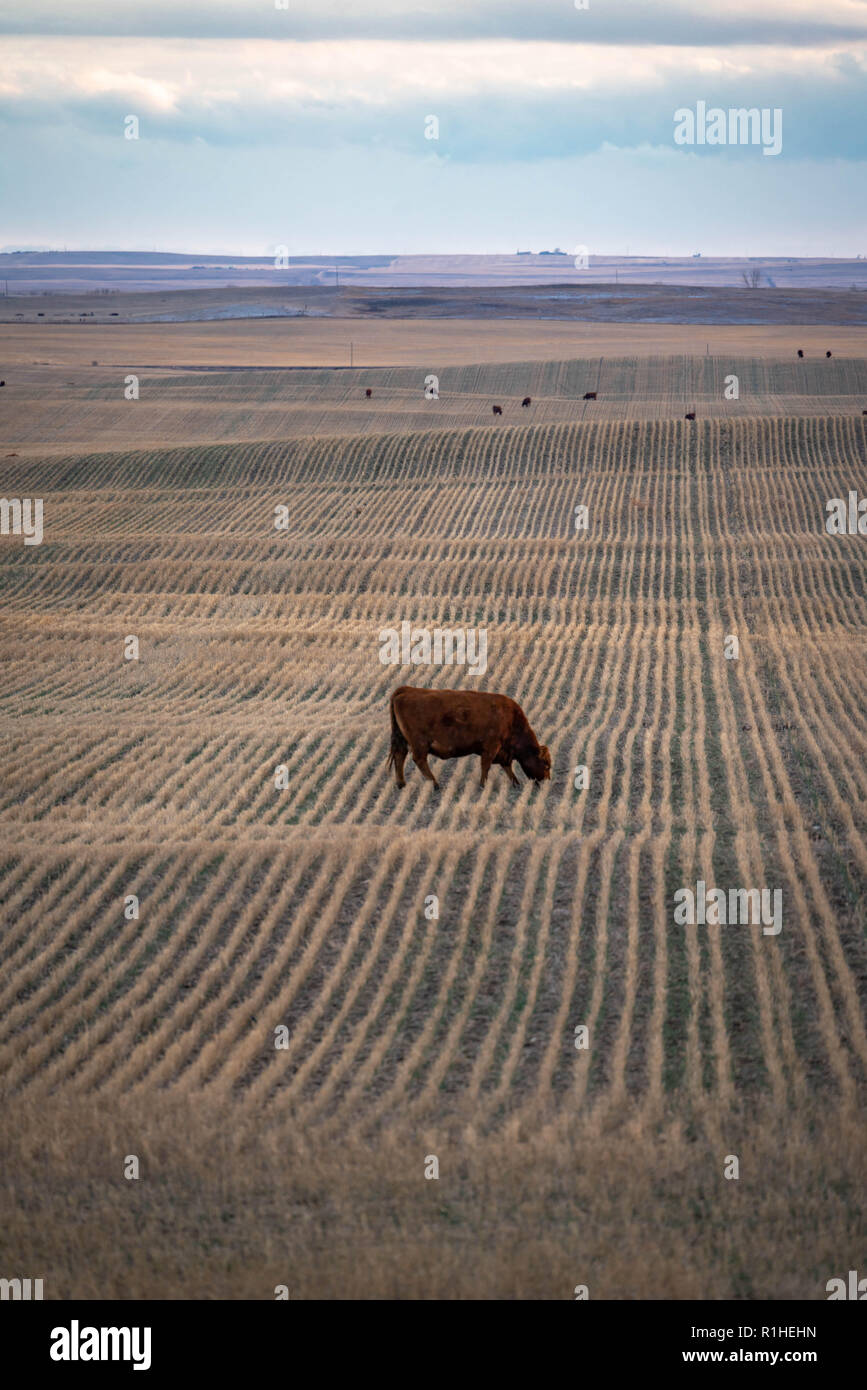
262, 906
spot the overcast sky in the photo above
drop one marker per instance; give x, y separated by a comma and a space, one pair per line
306, 126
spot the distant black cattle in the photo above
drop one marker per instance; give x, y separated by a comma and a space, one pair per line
2, 383
368, 393
690, 415
527, 401
828, 353
589, 395
800, 352
497, 409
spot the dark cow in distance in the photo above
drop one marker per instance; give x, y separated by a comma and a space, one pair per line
497, 409
828, 353
458, 724
589, 395
690, 415
528, 400
800, 352
368, 393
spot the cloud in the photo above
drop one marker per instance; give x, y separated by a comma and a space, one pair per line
694, 23
316, 139
499, 106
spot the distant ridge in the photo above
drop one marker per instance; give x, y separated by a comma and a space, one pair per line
70, 272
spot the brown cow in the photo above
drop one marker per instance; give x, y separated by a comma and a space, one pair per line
459, 723
497, 409
528, 400
589, 395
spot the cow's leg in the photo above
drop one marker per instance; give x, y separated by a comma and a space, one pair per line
487, 757
399, 758
420, 760
493, 752
507, 768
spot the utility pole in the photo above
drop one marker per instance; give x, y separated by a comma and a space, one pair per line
350, 354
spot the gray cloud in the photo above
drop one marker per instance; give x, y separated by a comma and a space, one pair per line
658, 22
822, 118
321, 146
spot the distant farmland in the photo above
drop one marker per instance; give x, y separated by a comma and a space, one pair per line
81, 409
263, 906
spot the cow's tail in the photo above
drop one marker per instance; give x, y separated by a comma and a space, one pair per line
398, 742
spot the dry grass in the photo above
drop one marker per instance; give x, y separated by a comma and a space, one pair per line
223, 1210
304, 907
83, 409
302, 342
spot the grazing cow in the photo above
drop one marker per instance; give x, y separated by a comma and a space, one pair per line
368, 393
589, 395
498, 410
690, 415
459, 723
864, 412
828, 353
2, 383
800, 352
527, 401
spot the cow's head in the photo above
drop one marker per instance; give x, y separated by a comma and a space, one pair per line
537, 763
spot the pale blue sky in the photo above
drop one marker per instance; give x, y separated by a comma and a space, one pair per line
306, 126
